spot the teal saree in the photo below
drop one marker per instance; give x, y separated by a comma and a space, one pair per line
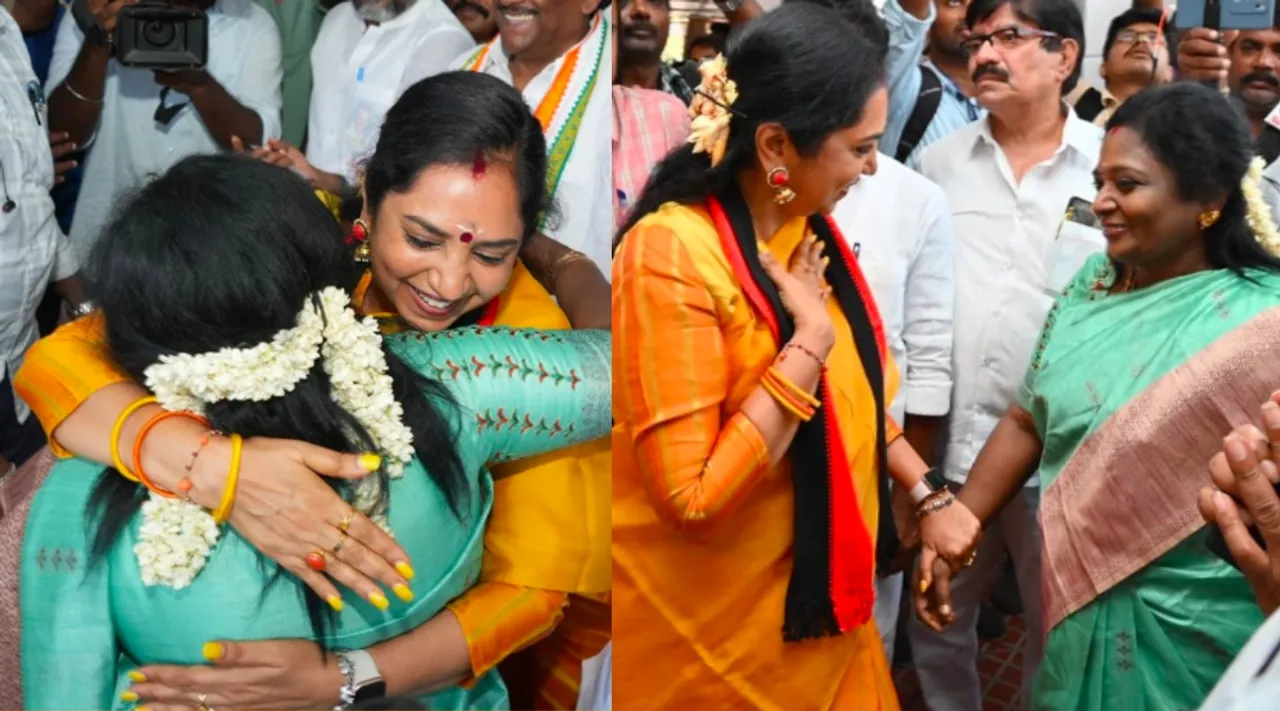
1131, 395
520, 393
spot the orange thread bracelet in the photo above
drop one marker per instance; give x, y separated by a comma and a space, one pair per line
137, 448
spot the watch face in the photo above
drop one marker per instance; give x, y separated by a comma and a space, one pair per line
372, 690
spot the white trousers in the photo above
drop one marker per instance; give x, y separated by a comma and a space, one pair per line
596, 691
947, 662
888, 601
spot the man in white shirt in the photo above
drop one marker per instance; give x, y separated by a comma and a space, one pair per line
138, 122
538, 42
899, 226
33, 250
367, 53
1009, 179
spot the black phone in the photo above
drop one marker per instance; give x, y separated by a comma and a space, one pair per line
1218, 545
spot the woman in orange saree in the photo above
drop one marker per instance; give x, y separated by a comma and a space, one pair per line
751, 441
546, 577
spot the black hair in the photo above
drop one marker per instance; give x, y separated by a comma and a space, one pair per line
864, 17
1129, 18
1061, 17
798, 66
222, 251
449, 119
712, 41
1203, 141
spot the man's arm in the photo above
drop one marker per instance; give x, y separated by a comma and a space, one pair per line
78, 73
908, 22
250, 109
929, 312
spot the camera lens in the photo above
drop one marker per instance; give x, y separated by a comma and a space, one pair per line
158, 33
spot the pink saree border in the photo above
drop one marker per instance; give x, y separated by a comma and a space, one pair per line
1128, 494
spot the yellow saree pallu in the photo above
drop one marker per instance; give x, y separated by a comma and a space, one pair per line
703, 537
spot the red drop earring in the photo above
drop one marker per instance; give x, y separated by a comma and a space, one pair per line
778, 179
360, 237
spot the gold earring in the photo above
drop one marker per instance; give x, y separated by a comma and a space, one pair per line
360, 233
778, 179
1208, 218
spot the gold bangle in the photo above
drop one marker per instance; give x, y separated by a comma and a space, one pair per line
223, 512
116, 461
785, 402
569, 257
785, 382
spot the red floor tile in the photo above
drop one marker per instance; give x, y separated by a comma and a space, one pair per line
999, 668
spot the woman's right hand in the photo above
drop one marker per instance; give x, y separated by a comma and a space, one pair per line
803, 290
285, 510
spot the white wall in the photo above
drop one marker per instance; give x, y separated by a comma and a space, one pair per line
1097, 16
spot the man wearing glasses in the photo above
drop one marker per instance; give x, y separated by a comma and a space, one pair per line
1009, 179
1135, 56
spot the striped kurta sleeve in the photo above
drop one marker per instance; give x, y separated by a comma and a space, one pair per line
699, 463
500, 619
62, 370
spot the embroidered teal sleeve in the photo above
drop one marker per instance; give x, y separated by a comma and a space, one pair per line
69, 652
521, 392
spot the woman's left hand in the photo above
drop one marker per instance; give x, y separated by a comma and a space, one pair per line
952, 534
271, 674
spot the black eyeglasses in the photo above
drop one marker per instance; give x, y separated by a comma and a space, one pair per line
1006, 38
1131, 36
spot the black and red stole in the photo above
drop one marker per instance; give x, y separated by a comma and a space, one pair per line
831, 590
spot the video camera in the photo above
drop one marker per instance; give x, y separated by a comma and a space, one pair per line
153, 34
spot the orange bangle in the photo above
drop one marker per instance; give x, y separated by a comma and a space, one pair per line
787, 384
802, 413
142, 435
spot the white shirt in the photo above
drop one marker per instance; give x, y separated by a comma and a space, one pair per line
1245, 686
129, 146
585, 193
361, 70
899, 224
33, 251
1006, 258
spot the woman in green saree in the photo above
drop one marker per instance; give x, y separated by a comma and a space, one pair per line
243, 315
1154, 350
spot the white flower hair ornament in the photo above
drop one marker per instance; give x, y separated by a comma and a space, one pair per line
1257, 211
176, 536
712, 109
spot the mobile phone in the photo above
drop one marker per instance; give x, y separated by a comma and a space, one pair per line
1218, 545
1226, 14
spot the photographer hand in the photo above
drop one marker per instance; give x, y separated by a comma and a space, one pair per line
60, 145
106, 11
187, 81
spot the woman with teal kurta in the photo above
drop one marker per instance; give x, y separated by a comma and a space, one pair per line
109, 583
1152, 352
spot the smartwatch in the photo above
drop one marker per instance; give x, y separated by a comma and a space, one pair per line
935, 479
361, 679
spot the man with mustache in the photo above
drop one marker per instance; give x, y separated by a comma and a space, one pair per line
1135, 56
1009, 179
366, 54
477, 17
1248, 64
555, 52
642, 35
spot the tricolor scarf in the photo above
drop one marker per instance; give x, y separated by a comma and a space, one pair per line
831, 590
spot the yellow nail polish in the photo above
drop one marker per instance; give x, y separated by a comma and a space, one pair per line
128, 697
379, 601
137, 677
141, 708
405, 569
924, 587
335, 602
212, 651
402, 591
370, 462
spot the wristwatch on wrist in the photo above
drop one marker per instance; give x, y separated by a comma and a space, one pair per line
935, 479
85, 308
361, 680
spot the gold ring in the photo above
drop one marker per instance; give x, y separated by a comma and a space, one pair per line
345, 523
972, 557
342, 540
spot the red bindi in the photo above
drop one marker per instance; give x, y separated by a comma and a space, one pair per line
477, 169
466, 237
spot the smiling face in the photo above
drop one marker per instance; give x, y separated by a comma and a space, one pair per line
821, 180
542, 29
447, 245
1143, 217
